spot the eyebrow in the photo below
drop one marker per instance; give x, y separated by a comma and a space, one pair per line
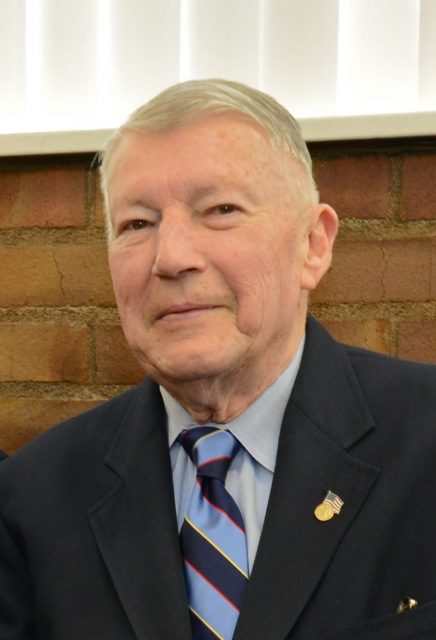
195, 192
210, 190
202, 192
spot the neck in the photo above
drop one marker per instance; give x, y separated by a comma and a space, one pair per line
221, 399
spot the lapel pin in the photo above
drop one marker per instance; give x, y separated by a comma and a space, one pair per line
331, 505
406, 604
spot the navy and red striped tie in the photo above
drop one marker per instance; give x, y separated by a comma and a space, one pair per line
213, 538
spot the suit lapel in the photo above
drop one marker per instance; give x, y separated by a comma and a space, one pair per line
135, 526
325, 416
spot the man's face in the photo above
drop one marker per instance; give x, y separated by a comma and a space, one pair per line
208, 251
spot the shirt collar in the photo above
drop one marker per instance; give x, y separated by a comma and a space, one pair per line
258, 427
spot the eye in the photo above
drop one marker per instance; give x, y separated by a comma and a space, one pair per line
222, 215
226, 208
138, 224
135, 225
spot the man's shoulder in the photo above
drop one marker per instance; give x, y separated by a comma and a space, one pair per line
79, 440
101, 419
390, 387
390, 369
397, 391
366, 361
321, 342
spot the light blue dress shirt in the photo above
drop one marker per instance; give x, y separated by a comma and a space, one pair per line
250, 475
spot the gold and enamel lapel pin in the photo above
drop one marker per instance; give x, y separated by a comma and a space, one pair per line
330, 506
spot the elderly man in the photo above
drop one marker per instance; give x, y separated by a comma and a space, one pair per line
264, 482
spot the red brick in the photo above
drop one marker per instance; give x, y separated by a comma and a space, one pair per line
378, 271
408, 270
22, 419
355, 276
29, 277
85, 271
42, 198
370, 334
56, 275
43, 351
116, 363
357, 187
419, 187
417, 340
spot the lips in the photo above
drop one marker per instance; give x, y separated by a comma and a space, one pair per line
183, 309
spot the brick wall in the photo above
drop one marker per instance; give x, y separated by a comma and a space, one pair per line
61, 348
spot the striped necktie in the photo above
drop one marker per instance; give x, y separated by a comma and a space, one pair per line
214, 545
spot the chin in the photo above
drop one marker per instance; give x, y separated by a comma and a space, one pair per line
185, 366
187, 357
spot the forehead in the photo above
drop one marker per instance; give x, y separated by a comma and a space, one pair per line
216, 145
205, 131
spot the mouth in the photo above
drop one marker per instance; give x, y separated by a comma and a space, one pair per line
185, 311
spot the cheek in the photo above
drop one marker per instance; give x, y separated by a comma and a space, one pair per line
266, 282
256, 287
129, 279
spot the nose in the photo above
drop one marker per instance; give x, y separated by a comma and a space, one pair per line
178, 244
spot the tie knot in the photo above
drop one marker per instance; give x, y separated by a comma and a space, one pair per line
210, 449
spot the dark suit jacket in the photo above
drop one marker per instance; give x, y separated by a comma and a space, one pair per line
88, 535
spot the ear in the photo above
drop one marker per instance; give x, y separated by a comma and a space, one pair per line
321, 233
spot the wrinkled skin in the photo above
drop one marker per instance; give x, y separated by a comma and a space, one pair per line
214, 249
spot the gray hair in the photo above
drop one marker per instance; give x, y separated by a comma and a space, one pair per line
186, 102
